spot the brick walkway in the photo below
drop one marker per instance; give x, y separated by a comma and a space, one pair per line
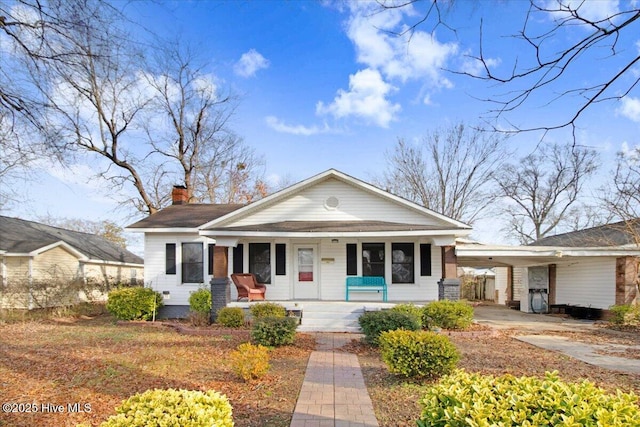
333, 393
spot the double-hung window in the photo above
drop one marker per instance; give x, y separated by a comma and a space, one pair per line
260, 261
192, 263
402, 267
373, 259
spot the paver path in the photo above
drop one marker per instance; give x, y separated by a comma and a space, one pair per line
333, 392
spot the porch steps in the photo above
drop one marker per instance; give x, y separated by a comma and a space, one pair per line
328, 316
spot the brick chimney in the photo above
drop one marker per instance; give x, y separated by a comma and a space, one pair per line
179, 195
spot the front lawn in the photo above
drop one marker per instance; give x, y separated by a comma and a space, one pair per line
56, 368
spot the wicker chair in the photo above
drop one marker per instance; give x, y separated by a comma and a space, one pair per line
248, 286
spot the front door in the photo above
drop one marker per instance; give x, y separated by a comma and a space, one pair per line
305, 265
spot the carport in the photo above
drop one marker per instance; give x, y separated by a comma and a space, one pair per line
544, 277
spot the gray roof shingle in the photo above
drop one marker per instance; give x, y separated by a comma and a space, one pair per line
22, 236
331, 226
614, 234
185, 216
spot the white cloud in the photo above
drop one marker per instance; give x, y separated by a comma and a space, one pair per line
475, 67
279, 126
381, 42
630, 108
366, 99
249, 64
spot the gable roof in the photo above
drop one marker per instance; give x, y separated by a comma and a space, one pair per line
329, 174
621, 233
19, 236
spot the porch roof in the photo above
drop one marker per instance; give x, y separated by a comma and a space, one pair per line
329, 226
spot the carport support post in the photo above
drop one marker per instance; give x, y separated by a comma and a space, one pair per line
626, 276
220, 290
449, 285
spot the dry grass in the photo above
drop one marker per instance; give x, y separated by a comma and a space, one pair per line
98, 362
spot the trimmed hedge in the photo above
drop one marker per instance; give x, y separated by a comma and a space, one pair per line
418, 354
447, 314
173, 408
373, 323
267, 309
410, 309
200, 301
231, 317
470, 399
134, 303
274, 331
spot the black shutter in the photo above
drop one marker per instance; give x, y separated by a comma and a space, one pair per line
425, 259
170, 258
211, 249
281, 259
238, 258
352, 259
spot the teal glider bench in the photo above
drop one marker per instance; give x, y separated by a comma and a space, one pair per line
367, 284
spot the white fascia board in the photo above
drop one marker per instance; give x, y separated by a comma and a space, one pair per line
341, 176
327, 234
62, 244
543, 251
163, 230
115, 263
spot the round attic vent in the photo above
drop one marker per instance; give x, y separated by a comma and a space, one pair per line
332, 202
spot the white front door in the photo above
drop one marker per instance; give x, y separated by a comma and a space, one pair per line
305, 270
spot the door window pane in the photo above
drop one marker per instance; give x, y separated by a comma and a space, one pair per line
305, 265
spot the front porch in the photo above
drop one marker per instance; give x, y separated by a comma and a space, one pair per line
326, 316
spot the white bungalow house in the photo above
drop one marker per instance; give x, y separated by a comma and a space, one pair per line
593, 268
302, 242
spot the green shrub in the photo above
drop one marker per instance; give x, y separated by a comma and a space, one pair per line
410, 309
200, 301
267, 309
274, 331
418, 354
465, 399
447, 314
134, 303
173, 408
373, 323
250, 361
625, 314
231, 317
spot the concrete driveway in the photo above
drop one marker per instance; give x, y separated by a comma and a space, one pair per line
531, 329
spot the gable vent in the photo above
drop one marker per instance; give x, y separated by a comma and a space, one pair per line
332, 202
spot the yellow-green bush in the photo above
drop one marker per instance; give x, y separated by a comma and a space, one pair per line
447, 315
418, 354
200, 301
173, 408
468, 399
250, 361
625, 314
134, 303
267, 309
231, 317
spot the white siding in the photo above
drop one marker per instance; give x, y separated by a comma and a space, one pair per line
155, 275
588, 282
355, 204
501, 284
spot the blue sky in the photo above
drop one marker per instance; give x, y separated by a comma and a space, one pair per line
325, 85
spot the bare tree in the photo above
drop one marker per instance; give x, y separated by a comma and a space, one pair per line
556, 38
451, 171
542, 188
203, 153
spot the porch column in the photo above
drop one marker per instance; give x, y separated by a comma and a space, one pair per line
449, 285
509, 285
552, 284
626, 276
220, 290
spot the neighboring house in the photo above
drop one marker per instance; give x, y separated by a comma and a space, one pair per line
591, 268
302, 242
44, 266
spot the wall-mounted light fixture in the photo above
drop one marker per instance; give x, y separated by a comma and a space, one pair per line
335, 241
